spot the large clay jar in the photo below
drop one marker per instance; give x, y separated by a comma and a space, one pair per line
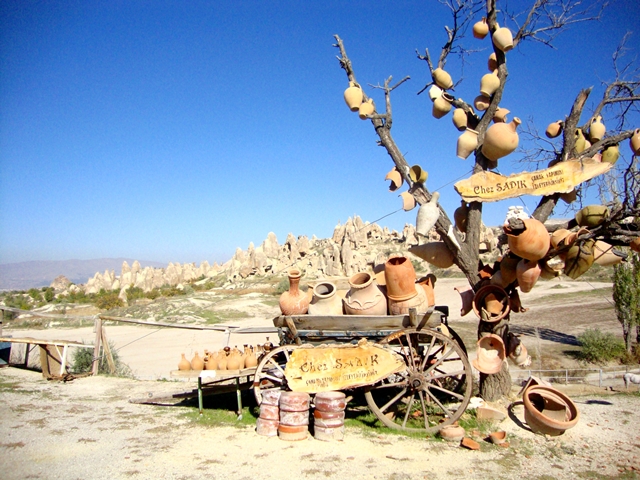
491, 353
501, 139
184, 364
549, 411
592, 216
428, 215
436, 253
596, 129
442, 79
419, 301
294, 301
489, 83
197, 363
460, 119
634, 142
234, 361
251, 360
211, 362
611, 154
579, 259
481, 29
604, 255
503, 39
365, 109
325, 301
441, 105
400, 279
460, 216
481, 102
532, 243
581, 142
527, 273
467, 143
353, 96
364, 297
554, 129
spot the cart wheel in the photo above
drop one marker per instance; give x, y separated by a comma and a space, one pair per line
433, 391
270, 371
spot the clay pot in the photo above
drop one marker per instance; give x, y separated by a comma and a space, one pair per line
267, 428
442, 79
442, 105
558, 237
546, 271
611, 154
400, 278
353, 96
436, 253
460, 216
251, 360
408, 201
501, 115
596, 129
481, 29
554, 129
635, 245
481, 102
211, 363
417, 174
579, 259
434, 92
271, 396
581, 142
491, 353
503, 39
330, 401
184, 364
452, 433
634, 142
549, 411
489, 83
520, 356
508, 266
527, 274
328, 419
460, 119
419, 301
366, 109
604, 255
532, 243
364, 297
592, 216
498, 438
294, 418
294, 301
427, 285
466, 295
428, 215
492, 62
294, 401
293, 433
270, 412
467, 143
501, 139
396, 179
234, 361
197, 363
325, 301
328, 434
491, 303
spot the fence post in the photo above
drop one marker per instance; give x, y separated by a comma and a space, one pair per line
566, 377
600, 379
96, 346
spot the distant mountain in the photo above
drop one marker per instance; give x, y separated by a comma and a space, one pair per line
25, 275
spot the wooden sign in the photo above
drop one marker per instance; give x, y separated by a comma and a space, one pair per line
561, 178
322, 369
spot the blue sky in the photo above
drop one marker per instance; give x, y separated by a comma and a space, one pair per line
179, 131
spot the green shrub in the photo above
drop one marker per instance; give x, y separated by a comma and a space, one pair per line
600, 347
83, 362
108, 300
49, 295
133, 293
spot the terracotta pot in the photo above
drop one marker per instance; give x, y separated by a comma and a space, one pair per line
481, 29
611, 154
452, 433
328, 419
184, 364
442, 79
434, 92
581, 142
554, 129
460, 216
211, 363
419, 301
293, 433
364, 297
501, 115
251, 360
508, 266
549, 411
294, 301
428, 215
408, 201
294, 401
467, 143
489, 83
396, 179
520, 356
427, 285
417, 174
400, 279
294, 418
269, 412
366, 109
491, 303
436, 253
604, 255
527, 274
222, 360
325, 301
328, 434
532, 243
330, 401
635, 244
546, 271
596, 129
441, 105
501, 139
466, 295
592, 216
353, 96
460, 119
634, 142
197, 363
481, 102
271, 396
266, 428
492, 62
498, 438
234, 361
491, 353
503, 39
579, 259
557, 238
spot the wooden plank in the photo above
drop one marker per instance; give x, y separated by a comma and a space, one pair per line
160, 324
97, 326
346, 322
35, 341
220, 374
107, 351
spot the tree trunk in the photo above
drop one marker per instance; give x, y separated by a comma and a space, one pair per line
496, 386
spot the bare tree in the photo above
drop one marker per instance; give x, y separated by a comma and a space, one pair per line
541, 23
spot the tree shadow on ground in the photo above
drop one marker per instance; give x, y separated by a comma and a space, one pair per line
545, 334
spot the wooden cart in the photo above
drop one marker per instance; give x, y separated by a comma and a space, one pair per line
430, 381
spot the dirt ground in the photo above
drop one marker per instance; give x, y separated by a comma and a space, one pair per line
88, 428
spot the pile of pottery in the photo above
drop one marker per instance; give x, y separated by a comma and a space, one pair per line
269, 418
392, 291
328, 416
294, 416
225, 359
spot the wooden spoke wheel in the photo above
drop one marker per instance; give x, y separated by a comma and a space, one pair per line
270, 371
432, 391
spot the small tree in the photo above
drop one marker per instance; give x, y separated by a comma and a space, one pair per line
626, 295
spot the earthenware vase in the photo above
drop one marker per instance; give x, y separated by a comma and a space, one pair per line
325, 301
481, 29
581, 142
554, 129
558, 237
434, 92
527, 274
604, 254
452, 433
353, 96
460, 119
467, 143
501, 115
501, 139
460, 216
491, 353
419, 301
294, 301
365, 109
508, 267
579, 259
197, 363
592, 216
442, 105
634, 142
428, 215
503, 39
364, 297
211, 362
400, 279
489, 83
436, 253
234, 361
442, 79
251, 360
596, 129
532, 243
184, 364
611, 154
492, 62
481, 102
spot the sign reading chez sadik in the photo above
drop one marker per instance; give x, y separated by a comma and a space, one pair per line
561, 178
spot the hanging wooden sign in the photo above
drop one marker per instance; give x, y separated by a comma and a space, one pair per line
322, 369
561, 178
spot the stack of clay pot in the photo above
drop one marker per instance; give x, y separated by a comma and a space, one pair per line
294, 416
269, 419
328, 416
